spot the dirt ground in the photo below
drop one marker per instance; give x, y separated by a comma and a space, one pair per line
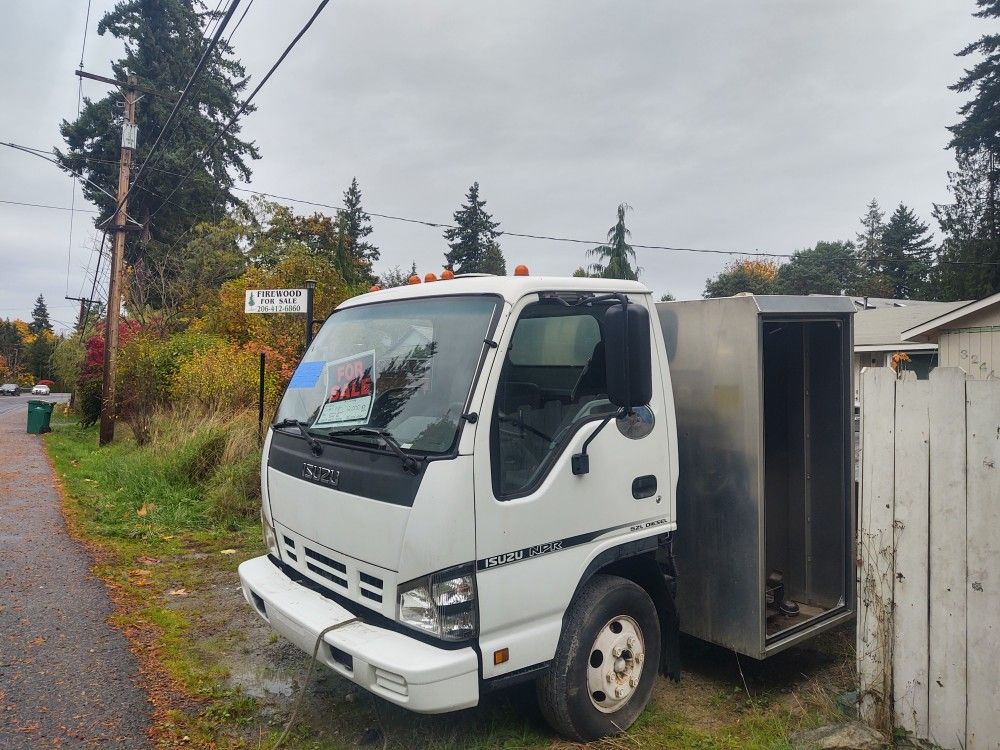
718, 691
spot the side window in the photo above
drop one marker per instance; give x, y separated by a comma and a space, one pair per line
553, 380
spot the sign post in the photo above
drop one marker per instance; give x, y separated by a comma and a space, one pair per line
310, 288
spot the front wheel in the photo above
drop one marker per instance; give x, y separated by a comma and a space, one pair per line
604, 668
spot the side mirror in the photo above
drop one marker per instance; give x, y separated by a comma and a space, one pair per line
626, 346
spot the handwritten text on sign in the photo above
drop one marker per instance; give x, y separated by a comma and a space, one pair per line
275, 301
349, 390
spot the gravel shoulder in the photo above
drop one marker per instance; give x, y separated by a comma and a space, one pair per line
67, 678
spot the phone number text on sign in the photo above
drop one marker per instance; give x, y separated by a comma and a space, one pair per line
350, 386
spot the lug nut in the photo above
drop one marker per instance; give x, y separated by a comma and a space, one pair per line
616, 651
631, 642
611, 676
632, 682
638, 658
619, 692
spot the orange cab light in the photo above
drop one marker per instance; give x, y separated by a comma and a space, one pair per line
375, 288
430, 277
521, 270
499, 657
414, 279
447, 274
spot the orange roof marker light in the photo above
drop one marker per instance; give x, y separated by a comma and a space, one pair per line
447, 274
430, 277
414, 279
375, 288
521, 270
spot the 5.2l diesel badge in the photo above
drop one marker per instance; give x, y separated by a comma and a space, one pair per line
320, 475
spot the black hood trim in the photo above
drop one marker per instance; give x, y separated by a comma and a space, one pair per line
373, 474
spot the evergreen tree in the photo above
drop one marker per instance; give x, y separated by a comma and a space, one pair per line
615, 259
40, 317
969, 261
906, 254
354, 225
828, 268
473, 239
163, 40
979, 129
967, 264
870, 237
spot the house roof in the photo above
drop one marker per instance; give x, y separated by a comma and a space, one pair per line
880, 328
928, 329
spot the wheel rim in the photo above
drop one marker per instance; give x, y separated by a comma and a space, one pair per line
614, 665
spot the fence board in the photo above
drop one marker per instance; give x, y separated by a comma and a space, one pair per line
910, 584
947, 701
878, 397
983, 592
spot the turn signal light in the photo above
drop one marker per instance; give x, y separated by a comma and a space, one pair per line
430, 277
375, 288
447, 274
521, 270
414, 279
499, 657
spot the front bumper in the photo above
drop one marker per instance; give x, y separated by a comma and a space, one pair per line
394, 666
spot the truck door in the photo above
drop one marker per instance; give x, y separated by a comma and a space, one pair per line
537, 524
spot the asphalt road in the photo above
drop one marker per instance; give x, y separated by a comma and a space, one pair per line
13, 403
67, 679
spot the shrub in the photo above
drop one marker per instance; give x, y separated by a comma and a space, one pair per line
223, 378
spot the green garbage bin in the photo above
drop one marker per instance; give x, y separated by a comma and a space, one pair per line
39, 414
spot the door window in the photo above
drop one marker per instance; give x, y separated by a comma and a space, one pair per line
553, 380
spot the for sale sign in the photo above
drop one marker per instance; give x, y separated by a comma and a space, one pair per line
350, 386
275, 301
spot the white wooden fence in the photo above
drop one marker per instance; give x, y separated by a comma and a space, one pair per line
929, 557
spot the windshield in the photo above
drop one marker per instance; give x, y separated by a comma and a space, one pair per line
404, 368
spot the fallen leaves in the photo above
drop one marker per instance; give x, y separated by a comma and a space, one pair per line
145, 509
227, 552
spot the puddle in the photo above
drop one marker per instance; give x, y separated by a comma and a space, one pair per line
264, 682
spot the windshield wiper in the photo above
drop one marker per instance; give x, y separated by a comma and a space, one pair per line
314, 445
410, 464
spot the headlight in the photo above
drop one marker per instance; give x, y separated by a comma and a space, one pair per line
442, 604
270, 540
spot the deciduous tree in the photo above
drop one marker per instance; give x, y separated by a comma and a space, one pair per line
757, 276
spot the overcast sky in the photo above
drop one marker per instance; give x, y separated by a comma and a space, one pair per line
726, 124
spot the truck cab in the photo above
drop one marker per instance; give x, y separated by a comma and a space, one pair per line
473, 482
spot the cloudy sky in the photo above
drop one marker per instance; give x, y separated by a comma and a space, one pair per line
726, 124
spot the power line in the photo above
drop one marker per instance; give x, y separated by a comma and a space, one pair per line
521, 235
46, 205
79, 100
246, 102
238, 22
40, 155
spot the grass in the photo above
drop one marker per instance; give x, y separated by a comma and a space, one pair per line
171, 520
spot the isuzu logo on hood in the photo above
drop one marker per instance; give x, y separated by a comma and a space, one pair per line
320, 475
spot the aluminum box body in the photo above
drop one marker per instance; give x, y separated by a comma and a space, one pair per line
762, 389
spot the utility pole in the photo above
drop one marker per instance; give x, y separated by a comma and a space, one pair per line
107, 432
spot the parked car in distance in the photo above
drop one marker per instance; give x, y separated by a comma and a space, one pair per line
40, 390
10, 389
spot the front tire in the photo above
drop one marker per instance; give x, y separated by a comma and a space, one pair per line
605, 665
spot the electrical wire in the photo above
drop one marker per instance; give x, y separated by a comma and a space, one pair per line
79, 100
246, 103
521, 235
97, 273
238, 22
47, 205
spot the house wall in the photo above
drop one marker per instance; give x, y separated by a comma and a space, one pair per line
973, 347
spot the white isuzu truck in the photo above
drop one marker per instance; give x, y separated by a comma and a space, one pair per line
484, 480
